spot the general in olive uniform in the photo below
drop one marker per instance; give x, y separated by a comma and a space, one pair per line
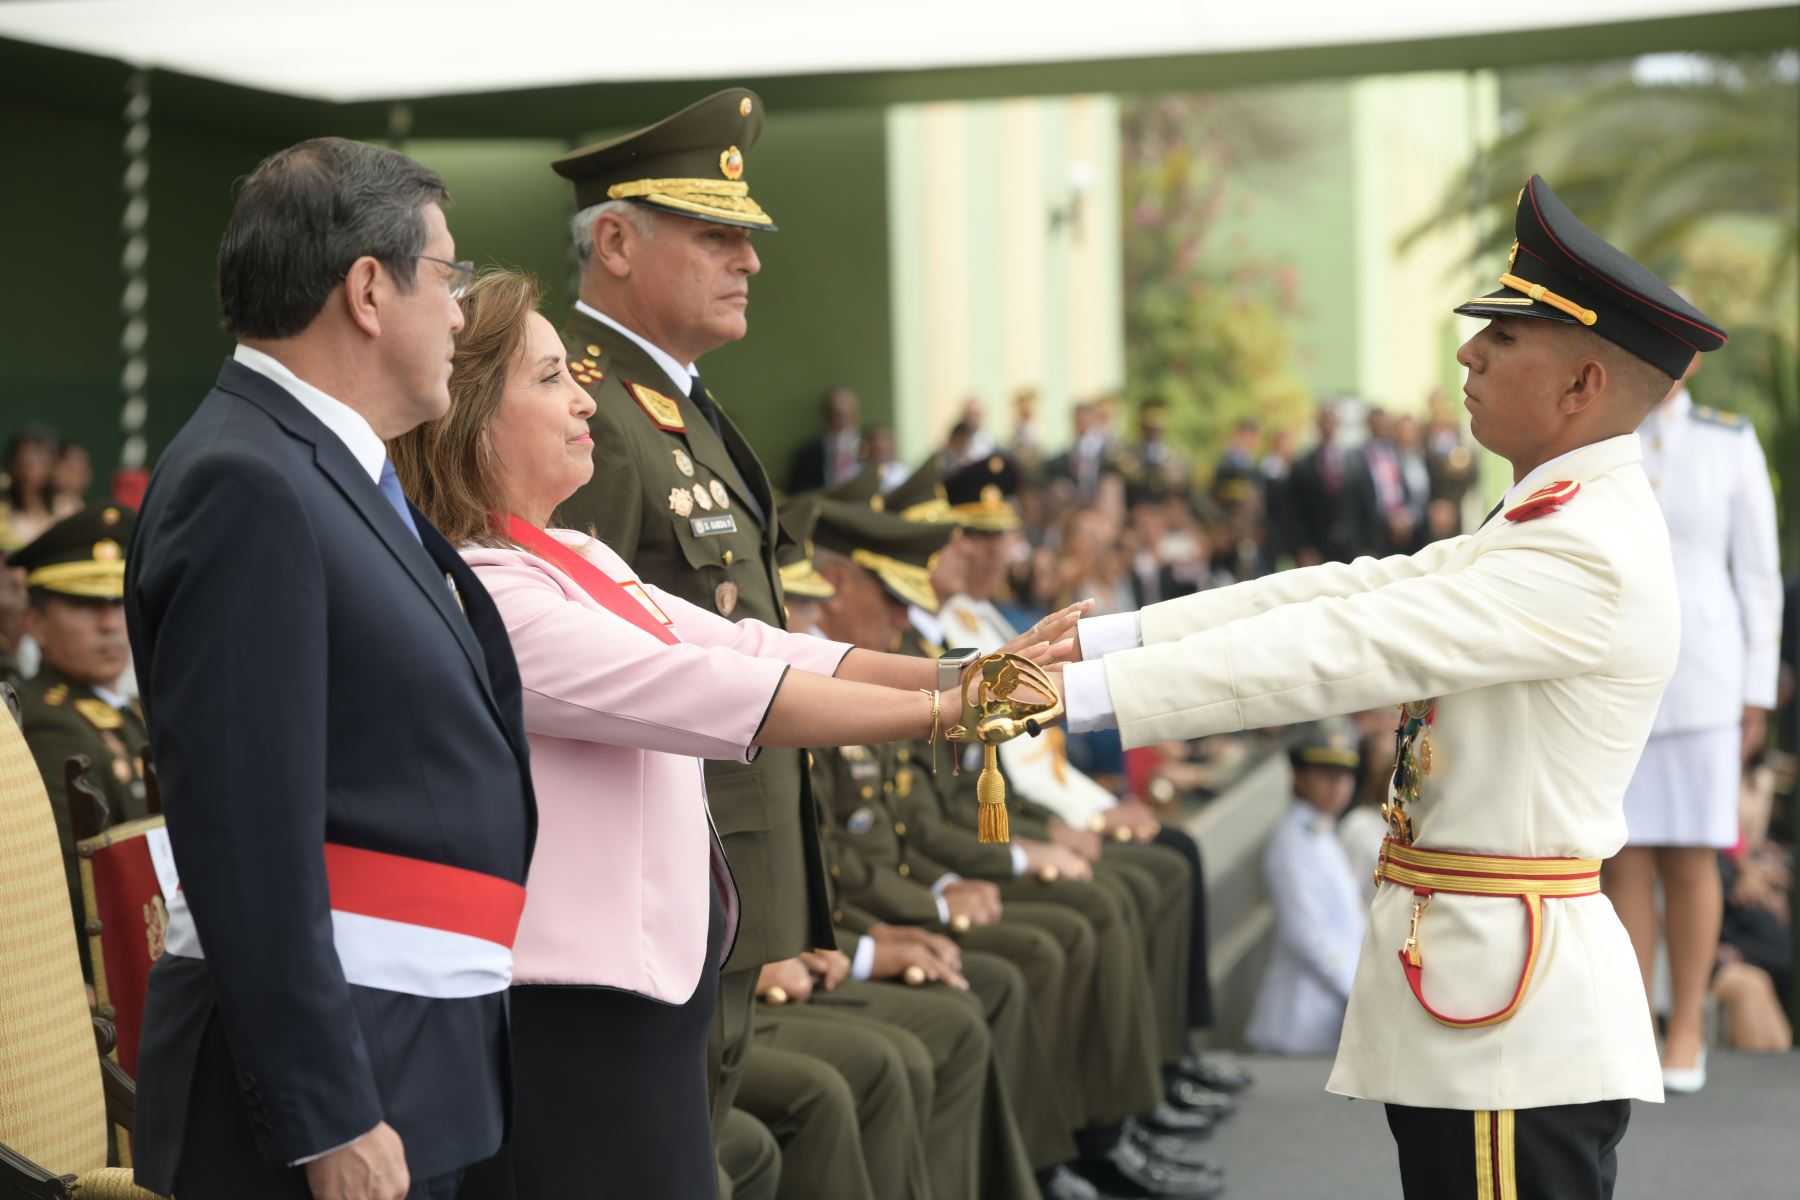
75, 572
662, 234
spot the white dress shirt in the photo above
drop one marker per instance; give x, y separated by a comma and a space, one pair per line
350, 426
682, 376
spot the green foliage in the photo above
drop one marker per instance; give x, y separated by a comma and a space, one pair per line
1690, 164
1207, 328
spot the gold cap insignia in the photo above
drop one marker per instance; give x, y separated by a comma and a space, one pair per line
107, 550
745, 108
109, 517
731, 163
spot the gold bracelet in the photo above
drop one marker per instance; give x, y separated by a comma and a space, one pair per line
936, 704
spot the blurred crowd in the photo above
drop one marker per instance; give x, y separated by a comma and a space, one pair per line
1129, 516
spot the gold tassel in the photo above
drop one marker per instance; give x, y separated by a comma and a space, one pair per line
990, 789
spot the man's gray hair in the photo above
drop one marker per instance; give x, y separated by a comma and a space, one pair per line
581, 226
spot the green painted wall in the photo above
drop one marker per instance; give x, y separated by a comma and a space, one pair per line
819, 311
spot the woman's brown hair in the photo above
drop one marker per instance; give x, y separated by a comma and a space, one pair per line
445, 466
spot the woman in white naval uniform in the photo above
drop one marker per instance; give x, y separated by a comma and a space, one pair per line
1319, 915
1713, 487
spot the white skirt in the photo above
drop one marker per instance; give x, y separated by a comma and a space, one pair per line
1685, 791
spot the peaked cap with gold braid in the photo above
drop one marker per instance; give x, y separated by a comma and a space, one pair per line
899, 553
690, 164
81, 555
922, 497
1560, 270
799, 577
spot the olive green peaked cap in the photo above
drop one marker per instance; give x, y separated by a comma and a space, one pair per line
690, 164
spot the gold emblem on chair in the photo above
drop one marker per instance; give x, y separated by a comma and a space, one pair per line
156, 926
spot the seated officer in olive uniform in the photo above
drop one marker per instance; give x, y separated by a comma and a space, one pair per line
75, 571
1020, 1127
1103, 1036
1156, 866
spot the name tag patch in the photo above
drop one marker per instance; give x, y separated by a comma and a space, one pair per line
709, 526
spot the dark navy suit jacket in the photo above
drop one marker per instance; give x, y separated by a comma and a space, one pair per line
309, 676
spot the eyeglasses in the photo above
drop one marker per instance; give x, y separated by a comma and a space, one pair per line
461, 275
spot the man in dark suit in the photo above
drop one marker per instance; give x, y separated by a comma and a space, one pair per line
1331, 496
336, 717
837, 453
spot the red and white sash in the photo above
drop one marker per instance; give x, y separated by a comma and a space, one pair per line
399, 924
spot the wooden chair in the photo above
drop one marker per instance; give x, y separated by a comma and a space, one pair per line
57, 1090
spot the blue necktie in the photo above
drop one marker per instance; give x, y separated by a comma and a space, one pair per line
390, 491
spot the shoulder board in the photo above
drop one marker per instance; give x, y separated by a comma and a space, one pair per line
663, 412
1544, 501
56, 694
1713, 416
586, 370
99, 714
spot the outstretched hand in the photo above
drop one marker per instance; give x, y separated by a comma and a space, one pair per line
1052, 640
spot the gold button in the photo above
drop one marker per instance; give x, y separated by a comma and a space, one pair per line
836, 870
900, 828
905, 870
837, 916
868, 791
887, 787
904, 754
728, 557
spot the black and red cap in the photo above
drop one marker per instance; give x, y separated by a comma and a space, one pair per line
1560, 270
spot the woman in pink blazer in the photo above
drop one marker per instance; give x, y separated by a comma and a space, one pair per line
630, 906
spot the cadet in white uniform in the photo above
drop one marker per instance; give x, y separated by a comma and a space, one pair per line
1319, 914
1710, 479
1497, 1008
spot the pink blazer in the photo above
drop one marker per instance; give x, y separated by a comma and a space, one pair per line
618, 722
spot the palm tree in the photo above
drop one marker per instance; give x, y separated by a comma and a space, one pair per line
1659, 167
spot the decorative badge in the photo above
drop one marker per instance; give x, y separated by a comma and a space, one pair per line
683, 463
719, 495
701, 497
680, 503
663, 412
861, 821
744, 107
731, 163
107, 550
586, 371
725, 596
100, 715
1544, 501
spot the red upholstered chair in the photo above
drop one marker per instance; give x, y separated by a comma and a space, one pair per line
125, 914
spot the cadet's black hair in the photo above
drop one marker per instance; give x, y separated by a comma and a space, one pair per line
304, 216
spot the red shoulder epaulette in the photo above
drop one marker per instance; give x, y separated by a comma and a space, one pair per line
1544, 501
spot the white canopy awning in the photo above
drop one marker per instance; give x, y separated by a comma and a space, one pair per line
347, 50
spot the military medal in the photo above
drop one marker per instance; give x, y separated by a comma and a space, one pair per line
680, 502
725, 596
701, 497
683, 463
719, 495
